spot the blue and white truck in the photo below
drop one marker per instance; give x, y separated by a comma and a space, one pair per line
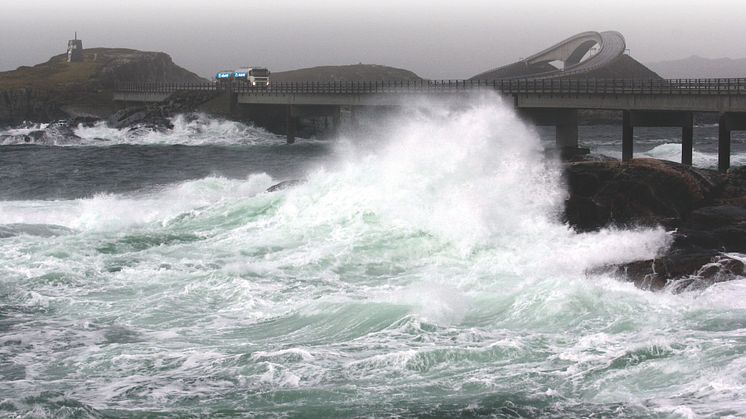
251, 76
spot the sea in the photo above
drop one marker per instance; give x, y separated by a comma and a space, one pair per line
421, 269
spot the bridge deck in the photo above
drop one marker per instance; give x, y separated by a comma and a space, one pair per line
703, 95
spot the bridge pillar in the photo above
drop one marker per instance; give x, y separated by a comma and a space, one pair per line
729, 121
291, 124
336, 119
565, 122
566, 131
632, 119
723, 144
687, 141
627, 136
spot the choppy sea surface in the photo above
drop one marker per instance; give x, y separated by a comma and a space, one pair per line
420, 270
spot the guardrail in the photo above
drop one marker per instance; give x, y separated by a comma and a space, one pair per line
515, 86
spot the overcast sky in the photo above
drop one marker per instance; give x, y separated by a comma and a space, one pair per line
434, 38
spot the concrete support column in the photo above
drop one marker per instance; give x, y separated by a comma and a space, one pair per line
232, 102
291, 124
336, 121
627, 136
687, 141
336, 118
567, 130
354, 118
723, 144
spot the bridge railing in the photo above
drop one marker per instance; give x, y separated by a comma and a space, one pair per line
556, 86
157, 87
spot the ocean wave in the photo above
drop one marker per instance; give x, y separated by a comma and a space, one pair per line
672, 152
188, 129
424, 265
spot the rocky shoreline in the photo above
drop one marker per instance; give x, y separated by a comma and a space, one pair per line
705, 210
62, 131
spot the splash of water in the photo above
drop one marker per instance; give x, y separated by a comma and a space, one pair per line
423, 269
188, 129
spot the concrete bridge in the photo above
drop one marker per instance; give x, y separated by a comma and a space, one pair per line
543, 101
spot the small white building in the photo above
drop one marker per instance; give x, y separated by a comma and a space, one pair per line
75, 50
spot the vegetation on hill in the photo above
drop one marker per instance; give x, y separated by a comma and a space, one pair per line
355, 72
102, 67
56, 88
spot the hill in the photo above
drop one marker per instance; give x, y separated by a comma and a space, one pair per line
102, 67
58, 89
623, 67
698, 67
355, 72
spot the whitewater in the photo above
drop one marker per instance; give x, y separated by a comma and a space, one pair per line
421, 268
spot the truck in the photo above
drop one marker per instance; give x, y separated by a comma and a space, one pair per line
251, 76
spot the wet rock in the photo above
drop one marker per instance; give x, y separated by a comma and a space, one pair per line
141, 116
84, 121
683, 270
15, 139
704, 209
721, 228
641, 192
57, 133
285, 184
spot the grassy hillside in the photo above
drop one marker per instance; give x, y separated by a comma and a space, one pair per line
102, 67
56, 88
355, 72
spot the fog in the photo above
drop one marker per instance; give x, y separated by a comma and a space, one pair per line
435, 39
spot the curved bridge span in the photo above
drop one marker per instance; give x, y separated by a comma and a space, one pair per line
573, 52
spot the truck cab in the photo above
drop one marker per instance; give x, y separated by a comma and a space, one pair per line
252, 76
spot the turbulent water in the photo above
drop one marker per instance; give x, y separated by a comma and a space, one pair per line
420, 270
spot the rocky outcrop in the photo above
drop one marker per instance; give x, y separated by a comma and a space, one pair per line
123, 65
26, 104
285, 185
641, 192
158, 116
58, 89
706, 211
60, 132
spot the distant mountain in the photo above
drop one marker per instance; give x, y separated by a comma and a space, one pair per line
355, 72
699, 67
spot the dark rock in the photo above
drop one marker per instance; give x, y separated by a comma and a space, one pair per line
574, 153
152, 117
285, 184
641, 192
734, 192
85, 121
706, 210
14, 139
683, 270
716, 227
57, 133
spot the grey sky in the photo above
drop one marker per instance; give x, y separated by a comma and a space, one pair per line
435, 38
